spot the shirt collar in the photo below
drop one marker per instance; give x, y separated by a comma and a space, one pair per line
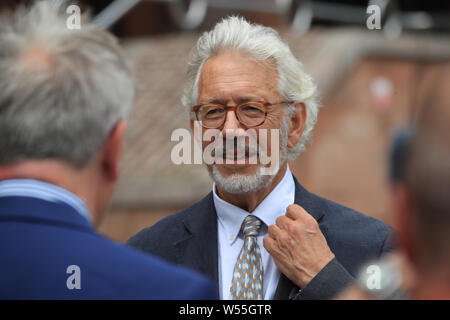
44, 191
273, 206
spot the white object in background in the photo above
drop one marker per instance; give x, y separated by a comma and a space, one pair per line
382, 90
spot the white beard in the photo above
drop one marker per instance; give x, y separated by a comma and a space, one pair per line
240, 183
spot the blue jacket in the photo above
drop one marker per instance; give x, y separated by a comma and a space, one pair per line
40, 240
189, 238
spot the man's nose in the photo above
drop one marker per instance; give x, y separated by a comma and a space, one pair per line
231, 121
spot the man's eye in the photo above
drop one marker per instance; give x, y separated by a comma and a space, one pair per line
252, 109
216, 112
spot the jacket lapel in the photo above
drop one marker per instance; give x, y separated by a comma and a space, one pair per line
286, 288
198, 247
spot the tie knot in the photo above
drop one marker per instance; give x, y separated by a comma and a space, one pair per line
251, 226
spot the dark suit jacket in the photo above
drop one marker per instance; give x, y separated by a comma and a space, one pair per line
40, 239
189, 238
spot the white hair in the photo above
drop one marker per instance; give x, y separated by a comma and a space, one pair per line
62, 90
261, 44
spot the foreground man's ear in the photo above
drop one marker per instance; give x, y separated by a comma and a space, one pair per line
296, 124
112, 151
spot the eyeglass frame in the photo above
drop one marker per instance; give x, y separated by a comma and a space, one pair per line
265, 104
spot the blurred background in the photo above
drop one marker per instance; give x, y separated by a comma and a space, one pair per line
371, 82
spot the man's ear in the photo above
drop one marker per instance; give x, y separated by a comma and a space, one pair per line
296, 124
112, 151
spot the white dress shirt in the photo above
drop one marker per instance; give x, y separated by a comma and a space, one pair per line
230, 239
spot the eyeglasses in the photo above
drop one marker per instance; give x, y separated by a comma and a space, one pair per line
250, 114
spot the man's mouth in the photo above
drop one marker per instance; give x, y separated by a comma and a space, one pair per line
235, 155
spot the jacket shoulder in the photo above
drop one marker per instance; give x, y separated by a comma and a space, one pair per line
160, 238
107, 270
343, 215
145, 276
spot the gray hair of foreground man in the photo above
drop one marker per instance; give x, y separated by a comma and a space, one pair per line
62, 91
261, 44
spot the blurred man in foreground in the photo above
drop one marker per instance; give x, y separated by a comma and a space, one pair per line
422, 204
63, 100
421, 208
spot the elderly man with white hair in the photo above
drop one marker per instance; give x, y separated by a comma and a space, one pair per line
64, 99
259, 234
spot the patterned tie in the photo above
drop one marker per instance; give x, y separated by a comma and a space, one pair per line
248, 272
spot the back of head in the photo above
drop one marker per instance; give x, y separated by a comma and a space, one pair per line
427, 175
62, 90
